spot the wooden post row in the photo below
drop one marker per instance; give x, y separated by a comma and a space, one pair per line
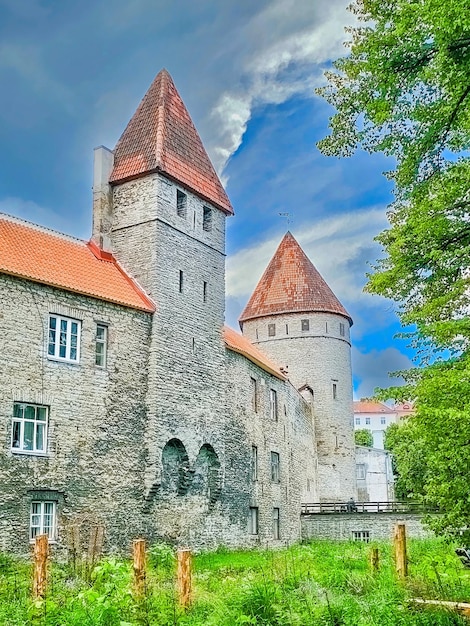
184, 577
41, 551
401, 561
140, 573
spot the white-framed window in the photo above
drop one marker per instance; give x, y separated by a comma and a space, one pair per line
360, 471
43, 520
273, 404
275, 467
361, 535
207, 219
29, 428
101, 345
181, 203
357, 421
254, 520
276, 523
383, 420
368, 421
254, 463
64, 338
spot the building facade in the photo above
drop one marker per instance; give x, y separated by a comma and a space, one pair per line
127, 409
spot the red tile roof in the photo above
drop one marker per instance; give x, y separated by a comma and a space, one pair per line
236, 342
44, 256
161, 137
369, 406
291, 284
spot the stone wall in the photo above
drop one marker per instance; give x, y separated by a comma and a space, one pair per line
377, 525
319, 357
94, 463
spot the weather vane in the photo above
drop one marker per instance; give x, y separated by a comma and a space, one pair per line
288, 216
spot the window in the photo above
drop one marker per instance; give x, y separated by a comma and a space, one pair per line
361, 535
64, 338
287, 329
181, 282
341, 329
254, 394
368, 421
305, 325
254, 463
207, 219
275, 473
204, 291
335, 391
180, 203
271, 330
101, 345
43, 520
361, 471
29, 432
358, 421
254, 517
383, 420
273, 404
276, 526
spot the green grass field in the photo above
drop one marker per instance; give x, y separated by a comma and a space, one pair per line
321, 582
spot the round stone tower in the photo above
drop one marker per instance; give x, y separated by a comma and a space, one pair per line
297, 321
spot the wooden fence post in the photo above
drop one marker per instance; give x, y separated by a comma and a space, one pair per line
374, 560
41, 551
140, 573
401, 562
184, 577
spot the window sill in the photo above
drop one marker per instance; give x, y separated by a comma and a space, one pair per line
56, 359
29, 452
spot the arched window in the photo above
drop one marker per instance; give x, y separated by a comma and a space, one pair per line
176, 476
207, 475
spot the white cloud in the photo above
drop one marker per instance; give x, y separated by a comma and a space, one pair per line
287, 45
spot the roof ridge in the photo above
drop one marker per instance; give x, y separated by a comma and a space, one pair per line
44, 229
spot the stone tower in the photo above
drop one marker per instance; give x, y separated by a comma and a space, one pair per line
160, 207
297, 321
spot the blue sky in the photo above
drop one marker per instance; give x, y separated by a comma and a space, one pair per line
73, 73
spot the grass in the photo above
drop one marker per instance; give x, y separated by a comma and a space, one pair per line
324, 583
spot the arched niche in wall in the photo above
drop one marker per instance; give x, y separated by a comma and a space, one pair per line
207, 479
176, 476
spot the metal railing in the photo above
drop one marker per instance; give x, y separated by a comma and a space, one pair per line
328, 508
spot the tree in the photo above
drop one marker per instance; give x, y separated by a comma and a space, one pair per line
404, 90
363, 437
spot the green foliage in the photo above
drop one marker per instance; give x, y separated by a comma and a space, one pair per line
404, 90
317, 583
363, 437
162, 556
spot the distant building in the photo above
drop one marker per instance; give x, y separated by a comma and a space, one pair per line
374, 473
377, 417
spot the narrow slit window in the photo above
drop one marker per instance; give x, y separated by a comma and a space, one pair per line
181, 282
342, 330
254, 463
101, 348
335, 391
204, 291
276, 524
254, 520
207, 219
181, 200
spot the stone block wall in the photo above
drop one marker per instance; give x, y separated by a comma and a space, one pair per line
95, 457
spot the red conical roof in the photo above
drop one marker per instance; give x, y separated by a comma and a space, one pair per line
161, 137
291, 284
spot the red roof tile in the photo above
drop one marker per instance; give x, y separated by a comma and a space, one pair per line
161, 137
291, 284
47, 257
236, 342
370, 406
